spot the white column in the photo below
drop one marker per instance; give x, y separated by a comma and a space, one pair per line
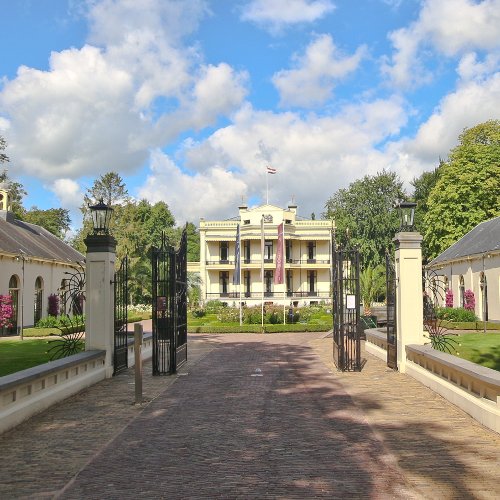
100, 303
409, 300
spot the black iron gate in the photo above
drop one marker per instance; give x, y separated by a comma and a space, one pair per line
346, 302
169, 290
392, 345
120, 361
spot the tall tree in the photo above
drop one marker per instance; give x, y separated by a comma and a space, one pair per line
193, 243
17, 192
3, 146
110, 188
55, 220
363, 214
468, 189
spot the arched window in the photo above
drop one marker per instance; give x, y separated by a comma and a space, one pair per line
63, 296
14, 293
37, 315
461, 291
483, 284
446, 287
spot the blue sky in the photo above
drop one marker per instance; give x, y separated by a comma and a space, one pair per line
189, 101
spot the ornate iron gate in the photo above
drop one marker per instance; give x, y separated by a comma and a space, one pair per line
390, 280
169, 290
120, 282
346, 302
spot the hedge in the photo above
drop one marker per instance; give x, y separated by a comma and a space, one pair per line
297, 327
470, 325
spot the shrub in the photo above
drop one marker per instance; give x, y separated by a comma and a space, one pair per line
449, 298
252, 315
198, 313
469, 300
53, 307
228, 315
214, 306
6, 311
60, 321
456, 314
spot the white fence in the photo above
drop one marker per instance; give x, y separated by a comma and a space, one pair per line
473, 388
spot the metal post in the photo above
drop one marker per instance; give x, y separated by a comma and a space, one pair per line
138, 330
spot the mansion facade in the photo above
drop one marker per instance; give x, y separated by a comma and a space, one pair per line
306, 252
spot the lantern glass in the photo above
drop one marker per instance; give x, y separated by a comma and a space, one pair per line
101, 216
406, 210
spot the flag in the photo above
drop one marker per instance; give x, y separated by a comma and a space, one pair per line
237, 258
271, 170
280, 263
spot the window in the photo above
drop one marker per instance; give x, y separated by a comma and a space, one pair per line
288, 250
223, 283
224, 252
246, 221
311, 282
268, 251
246, 251
461, 291
63, 296
14, 293
38, 306
289, 282
246, 283
268, 284
483, 285
311, 251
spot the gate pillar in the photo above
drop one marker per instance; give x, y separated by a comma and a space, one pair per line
409, 300
99, 304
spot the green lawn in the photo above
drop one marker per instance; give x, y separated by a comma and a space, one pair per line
480, 348
16, 355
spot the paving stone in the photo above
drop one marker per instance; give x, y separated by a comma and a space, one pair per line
254, 416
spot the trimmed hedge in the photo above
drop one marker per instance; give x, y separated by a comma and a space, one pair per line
470, 325
297, 327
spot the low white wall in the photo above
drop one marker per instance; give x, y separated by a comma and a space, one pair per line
25, 393
30, 391
473, 388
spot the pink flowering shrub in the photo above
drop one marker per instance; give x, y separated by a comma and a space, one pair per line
449, 298
6, 311
469, 300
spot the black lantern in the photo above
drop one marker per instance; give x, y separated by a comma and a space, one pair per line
406, 211
101, 215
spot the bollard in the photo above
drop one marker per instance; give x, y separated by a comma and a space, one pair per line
138, 330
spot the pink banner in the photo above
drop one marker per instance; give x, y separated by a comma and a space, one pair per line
280, 263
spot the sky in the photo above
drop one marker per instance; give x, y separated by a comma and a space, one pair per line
190, 101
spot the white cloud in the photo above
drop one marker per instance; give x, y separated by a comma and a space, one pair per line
68, 192
472, 103
450, 27
314, 157
312, 81
207, 194
103, 108
277, 14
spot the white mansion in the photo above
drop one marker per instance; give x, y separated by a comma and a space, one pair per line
306, 255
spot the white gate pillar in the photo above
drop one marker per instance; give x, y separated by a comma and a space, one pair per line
100, 303
409, 300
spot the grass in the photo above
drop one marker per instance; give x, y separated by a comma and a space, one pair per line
16, 355
479, 348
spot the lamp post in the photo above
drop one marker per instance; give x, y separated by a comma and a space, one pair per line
406, 212
101, 216
99, 303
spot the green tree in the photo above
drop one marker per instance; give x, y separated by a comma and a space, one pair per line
55, 220
16, 192
193, 243
468, 188
110, 188
363, 214
3, 146
372, 284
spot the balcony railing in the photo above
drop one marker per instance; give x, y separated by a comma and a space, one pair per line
266, 261
258, 295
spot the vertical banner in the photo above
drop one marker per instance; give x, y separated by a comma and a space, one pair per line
237, 258
280, 263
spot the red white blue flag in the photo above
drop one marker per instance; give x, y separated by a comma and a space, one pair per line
271, 170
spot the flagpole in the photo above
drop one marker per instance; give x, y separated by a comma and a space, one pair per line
241, 312
267, 187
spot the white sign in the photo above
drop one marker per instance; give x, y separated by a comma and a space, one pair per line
350, 301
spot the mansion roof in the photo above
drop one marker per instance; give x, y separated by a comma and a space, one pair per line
34, 241
484, 238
